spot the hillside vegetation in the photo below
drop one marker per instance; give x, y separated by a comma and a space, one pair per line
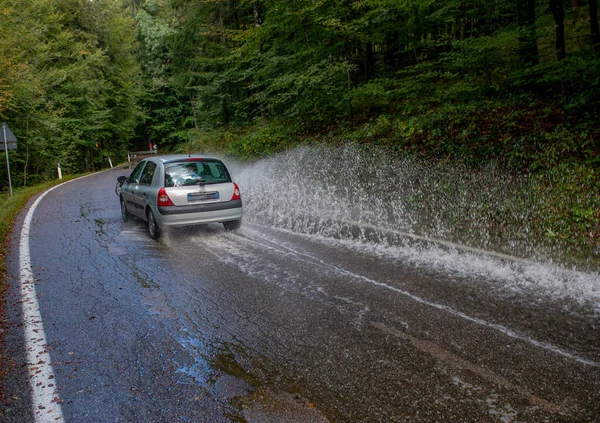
516, 83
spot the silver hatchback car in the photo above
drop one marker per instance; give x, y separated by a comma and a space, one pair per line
180, 190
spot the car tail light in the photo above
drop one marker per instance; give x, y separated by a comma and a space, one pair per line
163, 199
236, 193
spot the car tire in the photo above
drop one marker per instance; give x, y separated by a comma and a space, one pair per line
124, 212
153, 228
232, 225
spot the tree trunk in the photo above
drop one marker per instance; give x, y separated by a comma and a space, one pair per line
257, 12
558, 12
195, 112
257, 17
594, 23
462, 21
236, 18
390, 53
226, 115
528, 48
303, 24
26, 152
370, 62
92, 161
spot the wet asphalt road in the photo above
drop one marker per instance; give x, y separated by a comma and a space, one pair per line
269, 326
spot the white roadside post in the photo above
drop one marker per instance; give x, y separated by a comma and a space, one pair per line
59, 172
110, 162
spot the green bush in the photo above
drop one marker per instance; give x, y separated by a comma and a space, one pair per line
571, 208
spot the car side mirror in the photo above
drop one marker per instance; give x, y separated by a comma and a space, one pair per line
122, 179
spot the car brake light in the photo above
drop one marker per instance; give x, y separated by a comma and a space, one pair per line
236, 193
163, 199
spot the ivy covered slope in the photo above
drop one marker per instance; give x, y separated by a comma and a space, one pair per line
514, 82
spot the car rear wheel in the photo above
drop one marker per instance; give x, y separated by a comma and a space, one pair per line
232, 225
124, 212
153, 228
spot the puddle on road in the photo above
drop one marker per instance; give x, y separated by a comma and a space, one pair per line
222, 377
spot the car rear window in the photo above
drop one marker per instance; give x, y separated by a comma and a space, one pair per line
195, 172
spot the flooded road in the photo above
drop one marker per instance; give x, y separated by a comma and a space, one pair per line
282, 322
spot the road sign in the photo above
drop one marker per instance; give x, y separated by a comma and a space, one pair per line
11, 140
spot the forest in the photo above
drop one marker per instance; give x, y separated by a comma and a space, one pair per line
516, 82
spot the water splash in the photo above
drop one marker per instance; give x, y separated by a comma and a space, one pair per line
344, 191
439, 215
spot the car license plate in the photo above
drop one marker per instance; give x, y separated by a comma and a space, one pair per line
202, 196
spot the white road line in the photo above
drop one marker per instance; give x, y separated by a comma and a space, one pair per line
44, 393
308, 258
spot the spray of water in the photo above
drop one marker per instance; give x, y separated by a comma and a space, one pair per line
437, 215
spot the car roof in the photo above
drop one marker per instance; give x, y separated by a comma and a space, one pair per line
180, 157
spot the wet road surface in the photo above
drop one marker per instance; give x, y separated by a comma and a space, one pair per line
264, 325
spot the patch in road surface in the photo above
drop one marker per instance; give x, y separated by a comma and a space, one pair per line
266, 407
456, 362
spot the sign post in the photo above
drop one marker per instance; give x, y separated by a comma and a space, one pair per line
9, 142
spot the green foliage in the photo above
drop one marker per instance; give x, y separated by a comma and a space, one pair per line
367, 99
572, 212
263, 139
74, 98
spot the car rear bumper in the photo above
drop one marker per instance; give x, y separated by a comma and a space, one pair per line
199, 208
199, 213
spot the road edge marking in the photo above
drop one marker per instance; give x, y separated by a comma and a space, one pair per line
46, 402
44, 393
